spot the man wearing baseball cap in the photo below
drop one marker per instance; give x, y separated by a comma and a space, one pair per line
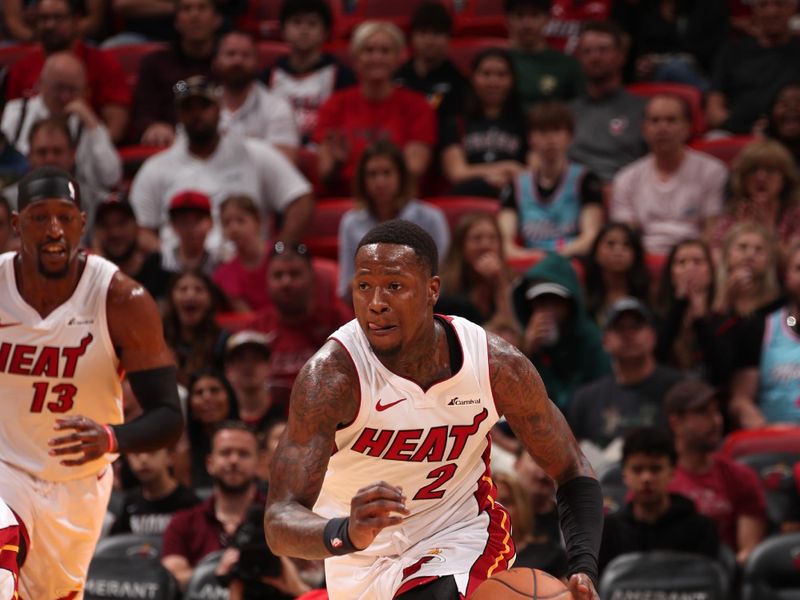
727, 492
219, 166
632, 394
72, 323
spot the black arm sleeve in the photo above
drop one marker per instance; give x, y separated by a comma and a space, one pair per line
580, 513
162, 422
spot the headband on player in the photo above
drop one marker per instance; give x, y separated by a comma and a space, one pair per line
45, 183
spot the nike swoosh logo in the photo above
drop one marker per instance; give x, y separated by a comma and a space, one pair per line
381, 407
9, 325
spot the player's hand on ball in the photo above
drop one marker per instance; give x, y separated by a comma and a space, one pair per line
89, 440
582, 588
373, 508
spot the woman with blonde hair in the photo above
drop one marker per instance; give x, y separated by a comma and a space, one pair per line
765, 188
747, 272
374, 109
476, 281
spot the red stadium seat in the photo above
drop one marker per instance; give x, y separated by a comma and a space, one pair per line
725, 149
396, 12
11, 54
775, 438
130, 56
481, 18
655, 266
455, 207
269, 52
308, 163
463, 51
322, 234
234, 321
690, 94
133, 157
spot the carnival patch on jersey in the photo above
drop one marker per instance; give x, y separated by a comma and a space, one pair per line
456, 401
78, 321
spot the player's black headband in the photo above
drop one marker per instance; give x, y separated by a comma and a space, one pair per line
46, 183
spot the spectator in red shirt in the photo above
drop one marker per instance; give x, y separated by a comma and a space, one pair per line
298, 321
195, 532
58, 29
354, 117
725, 491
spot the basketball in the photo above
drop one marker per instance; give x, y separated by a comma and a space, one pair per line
532, 584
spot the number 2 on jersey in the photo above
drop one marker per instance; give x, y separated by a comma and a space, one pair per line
440, 475
64, 400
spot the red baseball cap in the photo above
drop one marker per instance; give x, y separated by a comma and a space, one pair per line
190, 200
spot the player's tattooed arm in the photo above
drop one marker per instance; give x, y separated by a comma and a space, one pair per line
520, 395
325, 396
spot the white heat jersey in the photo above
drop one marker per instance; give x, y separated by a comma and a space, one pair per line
61, 365
434, 444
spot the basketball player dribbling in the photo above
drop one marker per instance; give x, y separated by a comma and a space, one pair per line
384, 468
70, 324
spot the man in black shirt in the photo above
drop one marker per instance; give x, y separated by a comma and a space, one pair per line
116, 239
429, 71
149, 508
631, 396
654, 519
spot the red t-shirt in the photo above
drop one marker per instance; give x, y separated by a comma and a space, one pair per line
292, 346
104, 74
726, 492
405, 116
196, 532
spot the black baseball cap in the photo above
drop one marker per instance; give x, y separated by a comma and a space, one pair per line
629, 304
45, 183
542, 6
196, 86
114, 203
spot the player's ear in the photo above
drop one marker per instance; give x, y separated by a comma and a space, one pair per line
434, 286
15, 222
83, 223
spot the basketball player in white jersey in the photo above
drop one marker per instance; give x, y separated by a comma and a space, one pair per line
384, 468
70, 325
9, 553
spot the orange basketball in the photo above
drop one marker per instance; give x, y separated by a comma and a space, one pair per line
514, 584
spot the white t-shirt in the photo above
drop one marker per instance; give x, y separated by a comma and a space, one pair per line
263, 116
669, 211
248, 167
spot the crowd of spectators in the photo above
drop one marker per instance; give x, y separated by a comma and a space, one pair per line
655, 286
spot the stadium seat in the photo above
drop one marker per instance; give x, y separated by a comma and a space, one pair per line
463, 51
234, 321
133, 157
690, 94
393, 11
130, 55
664, 575
455, 207
773, 570
726, 149
322, 234
129, 545
308, 163
655, 266
110, 577
480, 18
11, 54
269, 52
204, 584
774, 438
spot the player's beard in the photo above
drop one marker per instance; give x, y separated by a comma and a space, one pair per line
59, 274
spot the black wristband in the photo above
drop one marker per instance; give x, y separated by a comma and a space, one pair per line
336, 538
580, 512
